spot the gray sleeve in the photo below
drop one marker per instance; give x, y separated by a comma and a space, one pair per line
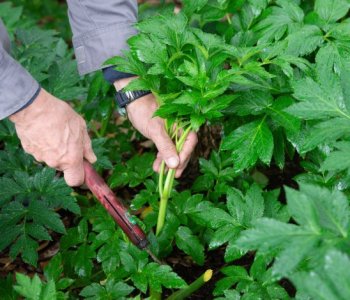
100, 30
17, 86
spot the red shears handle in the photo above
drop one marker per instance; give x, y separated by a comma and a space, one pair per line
114, 206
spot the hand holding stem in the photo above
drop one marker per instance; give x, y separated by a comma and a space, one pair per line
140, 114
175, 156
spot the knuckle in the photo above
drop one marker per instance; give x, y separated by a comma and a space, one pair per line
74, 181
166, 148
52, 163
69, 160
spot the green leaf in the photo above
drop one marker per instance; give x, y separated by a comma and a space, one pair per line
27, 247
286, 17
274, 208
129, 63
168, 28
111, 290
93, 291
191, 6
83, 260
34, 288
162, 275
149, 49
317, 101
324, 132
338, 160
284, 119
296, 41
251, 103
54, 268
249, 143
329, 281
331, 10
222, 236
233, 274
214, 217
41, 214
190, 244
269, 235
27, 287
8, 188
134, 172
327, 210
7, 291
37, 231
323, 217
49, 291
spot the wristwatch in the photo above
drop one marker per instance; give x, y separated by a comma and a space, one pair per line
124, 98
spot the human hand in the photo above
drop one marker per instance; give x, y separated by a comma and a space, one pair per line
140, 113
51, 131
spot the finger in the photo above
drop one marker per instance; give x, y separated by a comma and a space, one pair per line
185, 154
183, 167
157, 162
88, 152
167, 150
74, 175
188, 147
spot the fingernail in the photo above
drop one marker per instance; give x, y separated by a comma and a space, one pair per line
172, 162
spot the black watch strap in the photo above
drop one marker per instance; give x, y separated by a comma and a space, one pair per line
124, 98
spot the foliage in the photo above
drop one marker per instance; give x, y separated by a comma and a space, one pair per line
274, 76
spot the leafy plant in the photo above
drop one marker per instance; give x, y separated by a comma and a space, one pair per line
27, 212
273, 77
322, 218
257, 283
186, 75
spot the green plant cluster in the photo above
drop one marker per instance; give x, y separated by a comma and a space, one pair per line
274, 75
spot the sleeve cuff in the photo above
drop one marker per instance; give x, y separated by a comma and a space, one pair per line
17, 86
110, 74
31, 100
93, 48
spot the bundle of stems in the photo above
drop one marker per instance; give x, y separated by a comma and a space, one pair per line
178, 132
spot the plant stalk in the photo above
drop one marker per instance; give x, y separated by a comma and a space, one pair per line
165, 190
194, 286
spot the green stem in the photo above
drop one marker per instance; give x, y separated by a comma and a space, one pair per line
164, 199
106, 120
154, 295
161, 178
168, 185
228, 18
194, 286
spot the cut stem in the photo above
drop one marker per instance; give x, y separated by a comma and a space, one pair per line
194, 286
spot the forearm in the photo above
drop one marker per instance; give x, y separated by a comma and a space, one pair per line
100, 30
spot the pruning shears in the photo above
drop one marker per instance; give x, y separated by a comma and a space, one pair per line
115, 208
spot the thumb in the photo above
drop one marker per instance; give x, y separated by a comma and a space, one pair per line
74, 176
167, 150
88, 152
